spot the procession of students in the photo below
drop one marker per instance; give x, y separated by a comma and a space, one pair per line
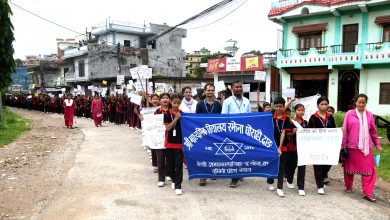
359, 133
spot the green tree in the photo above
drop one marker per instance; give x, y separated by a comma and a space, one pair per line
18, 62
7, 62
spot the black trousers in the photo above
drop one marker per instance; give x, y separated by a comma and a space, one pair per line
291, 165
175, 166
154, 157
161, 156
319, 174
282, 168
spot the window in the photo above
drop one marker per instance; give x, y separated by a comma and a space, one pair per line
126, 43
309, 40
384, 93
386, 33
81, 68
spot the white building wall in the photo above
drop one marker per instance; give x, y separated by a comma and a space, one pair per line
134, 40
374, 78
374, 30
333, 86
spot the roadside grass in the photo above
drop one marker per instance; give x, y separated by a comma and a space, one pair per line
383, 171
12, 127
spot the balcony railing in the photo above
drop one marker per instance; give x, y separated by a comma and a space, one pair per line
344, 48
354, 54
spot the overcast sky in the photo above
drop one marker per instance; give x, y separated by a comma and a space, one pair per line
248, 24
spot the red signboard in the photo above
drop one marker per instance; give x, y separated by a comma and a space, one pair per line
252, 63
216, 65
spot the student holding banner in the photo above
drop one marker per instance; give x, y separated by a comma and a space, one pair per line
208, 106
188, 105
282, 126
292, 155
154, 101
359, 134
236, 104
161, 153
321, 119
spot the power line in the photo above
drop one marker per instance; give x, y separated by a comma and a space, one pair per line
199, 15
220, 18
208, 15
52, 22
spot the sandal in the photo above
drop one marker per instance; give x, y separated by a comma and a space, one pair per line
370, 199
348, 190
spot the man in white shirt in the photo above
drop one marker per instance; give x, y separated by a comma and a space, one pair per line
236, 104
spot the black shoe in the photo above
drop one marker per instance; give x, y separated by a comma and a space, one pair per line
202, 182
233, 183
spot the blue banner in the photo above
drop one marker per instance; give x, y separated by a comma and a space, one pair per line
229, 145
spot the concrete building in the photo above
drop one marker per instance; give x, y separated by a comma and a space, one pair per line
193, 61
20, 79
44, 72
117, 47
338, 48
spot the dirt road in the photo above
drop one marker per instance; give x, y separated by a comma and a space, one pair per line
103, 173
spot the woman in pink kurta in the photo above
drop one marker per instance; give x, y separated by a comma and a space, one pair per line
359, 134
68, 106
97, 110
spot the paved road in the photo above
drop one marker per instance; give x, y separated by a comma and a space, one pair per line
112, 179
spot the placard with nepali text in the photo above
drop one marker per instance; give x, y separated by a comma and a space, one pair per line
319, 146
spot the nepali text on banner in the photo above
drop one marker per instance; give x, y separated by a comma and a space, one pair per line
229, 145
319, 146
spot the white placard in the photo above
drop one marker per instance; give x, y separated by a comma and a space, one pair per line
233, 64
120, 91
63, 90
94, 88
78, 87
319, 146
120, 79
90, 87
138, 86
141, 72
59, 95
288, 92
220, 86
202, 85
260, 75
153, 131
310, 104
194, 91
136, 99
160, 87
246, 88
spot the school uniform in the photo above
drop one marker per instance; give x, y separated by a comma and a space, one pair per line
315, 121
174, 150
292, 159
161, 153
280, 125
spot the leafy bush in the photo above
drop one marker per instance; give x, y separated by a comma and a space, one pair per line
339, 118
